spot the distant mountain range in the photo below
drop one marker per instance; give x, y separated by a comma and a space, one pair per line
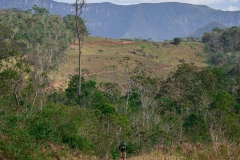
207, 28
160, 21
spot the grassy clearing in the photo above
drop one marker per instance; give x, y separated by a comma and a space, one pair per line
99, 55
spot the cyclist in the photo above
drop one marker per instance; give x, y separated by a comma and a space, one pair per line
123, 149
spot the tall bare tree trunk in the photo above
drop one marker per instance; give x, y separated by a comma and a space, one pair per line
79, 8
80, 74
79, 65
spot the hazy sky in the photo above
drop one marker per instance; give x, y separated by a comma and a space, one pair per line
230, 5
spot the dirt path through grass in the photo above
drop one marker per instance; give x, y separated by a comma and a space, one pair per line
153, 157
106, 42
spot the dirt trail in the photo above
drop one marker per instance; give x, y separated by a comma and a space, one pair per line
154, 156
141, 157
106, 42
60, 83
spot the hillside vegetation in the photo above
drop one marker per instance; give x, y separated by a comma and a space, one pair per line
102, 58
181, 111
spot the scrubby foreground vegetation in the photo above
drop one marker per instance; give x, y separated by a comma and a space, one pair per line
193, 113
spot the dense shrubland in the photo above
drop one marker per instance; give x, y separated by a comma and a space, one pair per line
193, 106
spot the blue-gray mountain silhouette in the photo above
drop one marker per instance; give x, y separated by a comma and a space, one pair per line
161, 21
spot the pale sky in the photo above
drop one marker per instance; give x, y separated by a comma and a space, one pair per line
226, 5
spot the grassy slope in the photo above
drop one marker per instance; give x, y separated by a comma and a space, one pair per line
99, 55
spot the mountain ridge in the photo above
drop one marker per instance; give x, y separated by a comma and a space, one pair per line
207, 28
156, 21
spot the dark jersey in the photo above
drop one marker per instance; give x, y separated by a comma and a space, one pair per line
123, 147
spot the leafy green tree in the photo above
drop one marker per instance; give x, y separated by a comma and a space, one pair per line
112, 91
223, 101
13, 72
216, 29
90, 96
231, 39
176, 41
213, 40
226, 40
39, 10
144, 89
195, 127
13, 86
189, 88
43, 38
6, 42
126, 63
70, 22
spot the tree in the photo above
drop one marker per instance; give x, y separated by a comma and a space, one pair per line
177, 41
70, 22
144, 88
41, 38
190, 88
47, 38
13, 71
79, 5
126, 64
39, 10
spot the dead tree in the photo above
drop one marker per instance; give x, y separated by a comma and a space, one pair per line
79, 5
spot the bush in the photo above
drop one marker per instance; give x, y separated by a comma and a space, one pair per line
42, 130
195, 127
16, 142
176, 41
77, 142
106, 109
19, 145
115, 154
133, 148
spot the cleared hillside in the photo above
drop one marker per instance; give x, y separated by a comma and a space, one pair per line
101, 57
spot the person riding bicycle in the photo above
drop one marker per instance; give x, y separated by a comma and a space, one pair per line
123, 149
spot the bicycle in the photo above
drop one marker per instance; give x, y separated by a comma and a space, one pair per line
123, 155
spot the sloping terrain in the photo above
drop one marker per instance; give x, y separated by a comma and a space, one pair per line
207, 28
101, 57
